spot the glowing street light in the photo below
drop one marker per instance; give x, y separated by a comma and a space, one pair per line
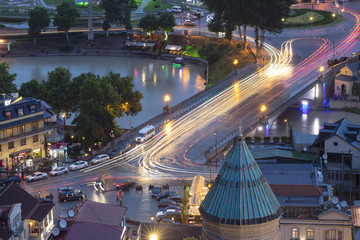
283, 19
321, 69
166, 99
263, 108
153, 237
235, 62
152, 218
334, 16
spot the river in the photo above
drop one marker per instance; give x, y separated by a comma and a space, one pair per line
153, 78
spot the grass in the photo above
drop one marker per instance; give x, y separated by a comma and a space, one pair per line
156, 5
301, 18
138, 2
217, 52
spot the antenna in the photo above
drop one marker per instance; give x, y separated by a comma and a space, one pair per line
335, 200
71, 213
343, 204
63, 223
55, 231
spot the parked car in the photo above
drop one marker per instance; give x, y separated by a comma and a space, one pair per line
176, 207
100, 158
343, 59
189, 23
58, 171
166, 195
162, 213
163, 11
8, 180
156, 191
114, 154
72, 195
332, 62
69, 160
173, 216
124, 148
166, 202
78, 165
176, 9
65, 189
36, 176
47, 199
175, 198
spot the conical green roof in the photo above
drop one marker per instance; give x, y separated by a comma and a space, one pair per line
240, 194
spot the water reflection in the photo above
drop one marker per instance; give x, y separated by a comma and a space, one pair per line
150, 76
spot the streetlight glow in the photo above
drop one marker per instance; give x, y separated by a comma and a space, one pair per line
167, 98
283, 19
152, 218
311, 18
285, 120
263, 108
153, 237
333, 14
321, 69
236, 61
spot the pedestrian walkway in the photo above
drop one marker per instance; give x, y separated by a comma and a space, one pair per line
141, 7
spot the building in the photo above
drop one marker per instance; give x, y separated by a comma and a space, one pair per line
94, 221
340, 143
240, 204
23, 130
23, 217
344, 81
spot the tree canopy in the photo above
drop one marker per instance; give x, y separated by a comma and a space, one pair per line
7, 79
38, 21
149, 23
65, 17
118, 12
167, 22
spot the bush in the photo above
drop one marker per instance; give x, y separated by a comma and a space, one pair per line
156, 6
65, 48
276, 139
284, 139
257, 139
248, 139
266, 139
10, 19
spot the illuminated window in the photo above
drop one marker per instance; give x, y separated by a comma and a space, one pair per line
9, 132
33, 108
35, 138
333, 234
23, 142
295, 234
310, 234
22, 129
8, 114
11, 145
21, 112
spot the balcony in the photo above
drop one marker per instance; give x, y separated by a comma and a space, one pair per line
25, 134
19, 229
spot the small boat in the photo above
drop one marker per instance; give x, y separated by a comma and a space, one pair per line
179, 60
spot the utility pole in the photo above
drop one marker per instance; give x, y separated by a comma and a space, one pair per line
90, 22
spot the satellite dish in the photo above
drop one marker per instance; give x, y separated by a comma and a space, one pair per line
305, 149
64, 214
325, 156
71, 213
63, 223
335, 200
343, 204
321, 178
325, 161
55, 231
338, 206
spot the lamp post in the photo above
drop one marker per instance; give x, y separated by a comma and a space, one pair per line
287, 127
216, 162
127, 106
334, 16
112, 135
311, 20
64, 116
166, 99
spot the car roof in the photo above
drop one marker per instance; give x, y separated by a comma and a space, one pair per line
147, 128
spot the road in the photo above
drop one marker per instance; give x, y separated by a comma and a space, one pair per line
176, 151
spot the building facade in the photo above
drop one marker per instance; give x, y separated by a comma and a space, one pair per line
22, 131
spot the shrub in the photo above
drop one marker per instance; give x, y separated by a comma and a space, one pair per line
156, 6
257, 139
248, 139
284, 139
266, 139
276, 139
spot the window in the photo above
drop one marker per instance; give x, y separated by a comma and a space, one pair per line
22, 129
310, 234
35, 138
333, 234
295, 234
9, 132
23, 142
33, 108
335, 144
8, 114
20, 112
11, 145
34, 125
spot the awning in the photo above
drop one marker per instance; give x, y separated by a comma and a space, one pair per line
140, 44
19, 152
173, 48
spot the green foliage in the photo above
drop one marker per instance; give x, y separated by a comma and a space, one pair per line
352, 110
7, 79
257, 139
65, 17
118, 11
33, 89
167, 22
149, 23
11, 19
213, 52
267, 139
106, 25
301, 18
276, 139
156, 5
247, 139
216, 24
285, 139
38, 21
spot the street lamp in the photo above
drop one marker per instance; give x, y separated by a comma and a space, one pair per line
152, 218
287, 126
235, 62
263, 108
311, 20
215, 152
64, 116
167, 99
127, 106
283, 19
334, 16
153, 237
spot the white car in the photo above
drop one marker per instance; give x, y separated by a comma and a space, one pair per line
161, 213
36, 176
58, 171
189, 23
78, 165
100, 158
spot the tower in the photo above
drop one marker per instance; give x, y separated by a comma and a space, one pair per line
240, 203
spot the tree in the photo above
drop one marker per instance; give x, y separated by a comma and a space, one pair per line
216, 24
167, 23
33, 89
38, 21
74, 91
118, 12
149, 23
106, 26
7, 79
57, 86
65, 18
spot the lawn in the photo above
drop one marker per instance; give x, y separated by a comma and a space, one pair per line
308, 18
156, 5
217, 52
138, 2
